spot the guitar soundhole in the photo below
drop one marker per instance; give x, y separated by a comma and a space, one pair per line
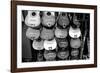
48, 13
33, 13
63, 14
74, 26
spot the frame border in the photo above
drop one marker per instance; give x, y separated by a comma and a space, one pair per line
14, 35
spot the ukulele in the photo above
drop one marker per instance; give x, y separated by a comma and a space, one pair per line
47, 34
48, 19
61, 33
63, 19
32, 33
33, 18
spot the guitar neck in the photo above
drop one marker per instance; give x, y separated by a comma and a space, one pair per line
84, 37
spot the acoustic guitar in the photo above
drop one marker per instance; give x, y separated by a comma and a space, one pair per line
74, 32
33, 18
62, 43
74, 53
49, 55
63, 54
63, 19
32, 33
50, 44
61, 33
47, 34
75, 20
48, 19
38, 44
75, 43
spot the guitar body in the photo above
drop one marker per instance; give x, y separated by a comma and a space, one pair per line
63, 54
32, 33
61, 33
47, 34
76, 21
63, 20
33, 18
62, 43
38, 45
75, 43
49, 55
50, 45
74, 53
40, 57
74, 33
48, 19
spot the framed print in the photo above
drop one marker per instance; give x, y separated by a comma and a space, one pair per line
52, 36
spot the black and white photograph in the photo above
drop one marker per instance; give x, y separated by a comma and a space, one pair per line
55, 36
52, 36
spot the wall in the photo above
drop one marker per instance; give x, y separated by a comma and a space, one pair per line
5, 36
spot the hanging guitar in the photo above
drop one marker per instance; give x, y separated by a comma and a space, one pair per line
40, 56
76, 21
32, 33
38, 44
47, 34
48, 19
62, 43
75, 43
33, 18
75, 53
50, 55
50, 44
63, 19
74, 32
63, 53
61, 33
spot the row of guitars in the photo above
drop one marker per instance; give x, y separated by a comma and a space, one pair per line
58, 33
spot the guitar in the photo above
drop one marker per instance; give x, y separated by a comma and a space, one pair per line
74, 53
38, 44
49, 55
50, 44
63, 54
62, 43
33, 18
74, 32
32, 33
63, 19
76, 21
61, 33
47, 34
75, 43
40, 56
48, 19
